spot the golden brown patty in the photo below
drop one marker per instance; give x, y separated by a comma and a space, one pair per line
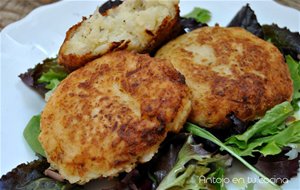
140, 25
111, 114
229, 70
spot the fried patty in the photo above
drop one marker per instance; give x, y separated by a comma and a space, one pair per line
230, 71
140, 25
111, 114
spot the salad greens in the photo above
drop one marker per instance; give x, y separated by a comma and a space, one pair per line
246, 19
46, 183
269, 135
294, 68
219, 173
281, 167
31, 133
200, 15
45, 76
31, 176
52, 78
200, 132
24, 173
286, 41
193, 163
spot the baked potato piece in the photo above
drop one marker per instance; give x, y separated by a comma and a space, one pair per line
140, 25
111, 114
229, 70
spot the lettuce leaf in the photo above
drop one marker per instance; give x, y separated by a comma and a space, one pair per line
52, 78
31, 134
199, 14
286, 41
197, 131
23, 174
193, 164
281, 166
267, 125
246, 19
294, 68
31, 176
218, 174
46, 183
44, 76
164, 160
273, 144
269, 135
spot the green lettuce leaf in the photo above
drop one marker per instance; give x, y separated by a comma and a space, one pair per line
197, 131
31, 134
218, 174
52, 78
273, 144
269, 135
200, 15
265, 126
44, 76
192, 168
295, 75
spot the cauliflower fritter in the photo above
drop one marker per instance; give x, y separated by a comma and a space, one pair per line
229, 70
111, 114
140, 25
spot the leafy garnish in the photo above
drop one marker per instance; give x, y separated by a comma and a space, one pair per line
246, 19
23, 174
285, 40
200, 15
163, 161
47, 183
197, 131
193, 163
31, 176
52, 78
294, 68
31, 133
269, 135
216, 176
44, 76
279, 167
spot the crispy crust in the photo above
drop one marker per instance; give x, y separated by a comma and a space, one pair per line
167, 29
229, 70
111, 114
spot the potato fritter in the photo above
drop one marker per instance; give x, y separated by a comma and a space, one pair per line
111, 114
229, 70
140, 25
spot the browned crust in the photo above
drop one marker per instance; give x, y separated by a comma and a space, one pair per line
113, 137
259, 77
166, 31
71, 58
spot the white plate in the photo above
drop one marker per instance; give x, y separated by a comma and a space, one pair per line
40, 34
